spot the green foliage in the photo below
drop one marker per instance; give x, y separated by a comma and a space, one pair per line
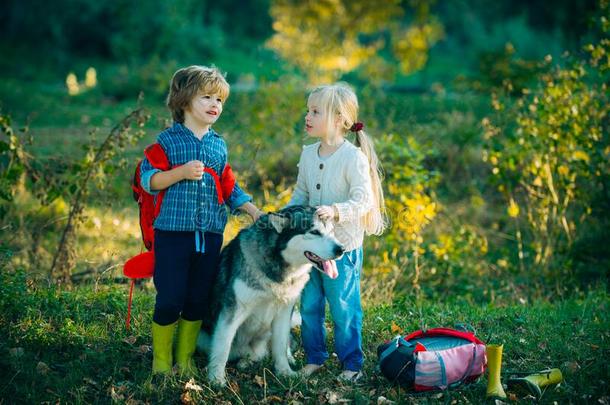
51, 179
11, 160
90, 174
115, 30
328, 39
73, 347
504, 69
549, 154
264, 130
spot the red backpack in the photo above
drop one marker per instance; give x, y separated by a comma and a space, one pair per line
143, 264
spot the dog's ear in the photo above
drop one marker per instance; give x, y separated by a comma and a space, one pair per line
278, 222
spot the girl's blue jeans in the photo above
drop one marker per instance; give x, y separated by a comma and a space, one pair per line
343, 296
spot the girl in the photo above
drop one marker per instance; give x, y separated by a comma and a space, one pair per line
343, 180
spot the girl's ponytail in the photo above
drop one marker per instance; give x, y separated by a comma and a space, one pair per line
375, 221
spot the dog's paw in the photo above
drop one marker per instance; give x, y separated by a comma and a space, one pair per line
217, 380
287, 372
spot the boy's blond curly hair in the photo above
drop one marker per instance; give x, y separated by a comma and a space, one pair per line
189, 81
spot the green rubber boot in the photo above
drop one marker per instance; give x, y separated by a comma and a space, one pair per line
533, 383
185, 345
494, 366
163, 337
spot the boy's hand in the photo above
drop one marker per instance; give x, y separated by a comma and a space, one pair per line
256, 215
251, 210
192, 170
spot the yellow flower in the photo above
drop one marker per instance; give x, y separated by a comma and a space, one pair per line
91, 78
538, 181
580, 155
513, 209
72, 84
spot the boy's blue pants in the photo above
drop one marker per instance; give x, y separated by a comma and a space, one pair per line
343, 296
183, 276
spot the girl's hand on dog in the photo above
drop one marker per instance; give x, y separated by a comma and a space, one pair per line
192, 170
326, 212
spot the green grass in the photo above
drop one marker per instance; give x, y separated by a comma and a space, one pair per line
73, 347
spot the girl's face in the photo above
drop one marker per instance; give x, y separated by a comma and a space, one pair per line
205, 108
316, 121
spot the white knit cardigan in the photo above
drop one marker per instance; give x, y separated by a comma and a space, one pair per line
341, 180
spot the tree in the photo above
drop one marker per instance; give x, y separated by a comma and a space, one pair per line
329, 38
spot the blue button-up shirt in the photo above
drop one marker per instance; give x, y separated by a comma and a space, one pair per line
192, 205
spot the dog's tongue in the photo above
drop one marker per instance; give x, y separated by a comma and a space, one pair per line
330, 268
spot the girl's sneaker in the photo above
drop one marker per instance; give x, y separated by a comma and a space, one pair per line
350, 376
309, 369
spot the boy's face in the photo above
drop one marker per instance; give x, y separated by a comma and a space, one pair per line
204, 109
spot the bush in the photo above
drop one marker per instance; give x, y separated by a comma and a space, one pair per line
549, 155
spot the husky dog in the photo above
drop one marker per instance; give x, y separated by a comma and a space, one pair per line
261, 274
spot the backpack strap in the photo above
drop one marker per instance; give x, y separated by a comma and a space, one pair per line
396, 343
468, 369
157, 156
224, 184
469, 336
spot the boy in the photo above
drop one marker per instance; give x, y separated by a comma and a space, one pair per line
189, 228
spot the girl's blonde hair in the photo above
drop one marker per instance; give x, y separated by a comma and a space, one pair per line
340, 99
187, 82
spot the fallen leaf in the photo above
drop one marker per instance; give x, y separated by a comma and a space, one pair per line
186, 398
192, 386
130, 340
258, 380
395, 328
381, 400
332, 397
115, 395
234, 386
273, 398
143, 349
90, 382
42, 368
573, 366
16, 352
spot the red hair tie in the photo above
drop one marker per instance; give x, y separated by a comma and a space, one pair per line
357, 127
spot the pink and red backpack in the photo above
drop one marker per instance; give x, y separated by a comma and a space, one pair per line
433, 359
